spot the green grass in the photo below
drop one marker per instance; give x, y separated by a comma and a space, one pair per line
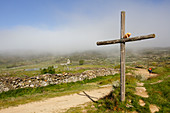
25, 95
159, 94
19, 71
109, 80
111, 103
163, 72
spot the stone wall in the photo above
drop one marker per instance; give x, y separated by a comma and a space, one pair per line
9, 83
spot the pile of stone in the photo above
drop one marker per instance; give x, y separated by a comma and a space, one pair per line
10, 83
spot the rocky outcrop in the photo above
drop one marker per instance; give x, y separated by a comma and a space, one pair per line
9, 83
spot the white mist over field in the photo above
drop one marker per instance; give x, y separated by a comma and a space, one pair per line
66, 27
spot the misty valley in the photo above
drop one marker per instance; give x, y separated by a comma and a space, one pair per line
35, 75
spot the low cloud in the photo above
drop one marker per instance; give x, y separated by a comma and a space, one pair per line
82, 32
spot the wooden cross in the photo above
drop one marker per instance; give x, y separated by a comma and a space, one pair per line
122, 51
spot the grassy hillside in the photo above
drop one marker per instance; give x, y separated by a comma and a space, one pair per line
25, 95
159, 95
158, 59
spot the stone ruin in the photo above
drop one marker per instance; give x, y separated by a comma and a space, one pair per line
11, 83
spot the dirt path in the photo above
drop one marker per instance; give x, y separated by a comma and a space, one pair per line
141, 90
58, 104
144, 72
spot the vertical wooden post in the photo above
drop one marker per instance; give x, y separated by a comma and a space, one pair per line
122, 58
122, 52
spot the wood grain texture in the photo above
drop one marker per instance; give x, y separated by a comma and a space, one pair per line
137, 38
122, 58
122, 51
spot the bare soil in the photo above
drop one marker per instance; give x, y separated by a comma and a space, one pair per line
153, 108
59, 104
141, 91
145, 73
159, 81
141, 102
63, 103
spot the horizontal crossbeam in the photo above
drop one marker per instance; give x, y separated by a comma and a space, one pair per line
126, 39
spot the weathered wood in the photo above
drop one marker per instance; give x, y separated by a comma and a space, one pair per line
122, 58
126, 39
122, 51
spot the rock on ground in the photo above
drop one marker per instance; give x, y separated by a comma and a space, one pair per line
141, 91
153, 108
141, 102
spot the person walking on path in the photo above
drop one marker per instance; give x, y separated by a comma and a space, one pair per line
150, 70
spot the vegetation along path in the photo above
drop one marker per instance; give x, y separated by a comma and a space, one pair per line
141, 90
59, 104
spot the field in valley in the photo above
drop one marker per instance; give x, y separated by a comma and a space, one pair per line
30, 66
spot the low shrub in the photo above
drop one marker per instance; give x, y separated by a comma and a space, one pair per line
50, 70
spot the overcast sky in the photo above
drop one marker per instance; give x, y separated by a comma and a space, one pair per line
75, 25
